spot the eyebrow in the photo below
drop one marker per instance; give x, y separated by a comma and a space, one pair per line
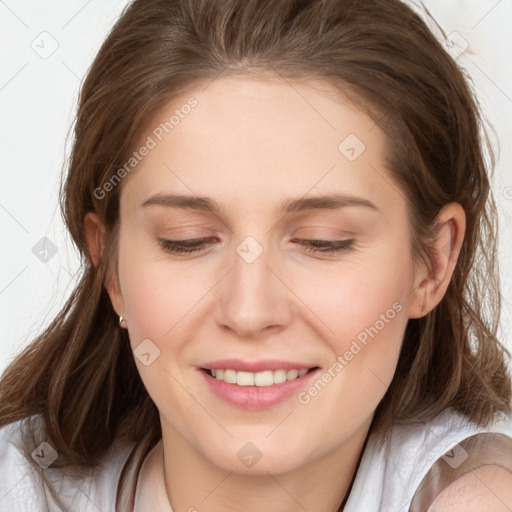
207, 204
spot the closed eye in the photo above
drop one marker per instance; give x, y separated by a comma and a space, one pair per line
183, 246
334, 246
315, 246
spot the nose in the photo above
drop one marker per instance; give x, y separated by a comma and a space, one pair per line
254, 300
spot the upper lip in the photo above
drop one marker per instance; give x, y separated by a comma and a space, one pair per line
255, 366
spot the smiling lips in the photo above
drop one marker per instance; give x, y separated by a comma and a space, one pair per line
264, 378
256, 385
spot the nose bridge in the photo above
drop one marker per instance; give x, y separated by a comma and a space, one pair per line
253, 297
251, 271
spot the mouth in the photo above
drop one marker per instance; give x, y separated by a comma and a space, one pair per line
271, 382
263, 378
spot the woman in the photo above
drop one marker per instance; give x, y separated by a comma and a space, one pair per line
286, 223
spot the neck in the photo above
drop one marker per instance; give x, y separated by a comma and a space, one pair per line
193, 482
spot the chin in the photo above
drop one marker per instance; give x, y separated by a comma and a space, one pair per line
249, 458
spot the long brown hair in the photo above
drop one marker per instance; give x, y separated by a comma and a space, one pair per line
79, 375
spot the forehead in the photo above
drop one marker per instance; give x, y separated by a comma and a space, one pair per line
256, 141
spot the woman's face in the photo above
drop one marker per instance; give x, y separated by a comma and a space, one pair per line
256, 301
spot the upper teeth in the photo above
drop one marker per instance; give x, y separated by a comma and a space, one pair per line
265, 378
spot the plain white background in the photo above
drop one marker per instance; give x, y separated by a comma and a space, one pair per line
47, 48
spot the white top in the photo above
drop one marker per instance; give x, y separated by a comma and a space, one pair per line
386, 480
20, 488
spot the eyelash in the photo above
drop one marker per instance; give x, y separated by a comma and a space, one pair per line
314, 246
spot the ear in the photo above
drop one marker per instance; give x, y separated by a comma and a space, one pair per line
95, 234
430, 287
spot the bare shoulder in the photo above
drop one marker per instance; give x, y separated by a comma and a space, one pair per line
486, 488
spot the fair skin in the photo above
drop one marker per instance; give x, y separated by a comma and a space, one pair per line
488, 486
250, 145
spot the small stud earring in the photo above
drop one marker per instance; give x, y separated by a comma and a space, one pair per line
122, 322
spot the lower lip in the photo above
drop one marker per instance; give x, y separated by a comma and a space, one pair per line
256, 397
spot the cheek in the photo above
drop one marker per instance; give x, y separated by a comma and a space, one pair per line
354, 298
365, 312
156, 298
159, 305
146, 304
